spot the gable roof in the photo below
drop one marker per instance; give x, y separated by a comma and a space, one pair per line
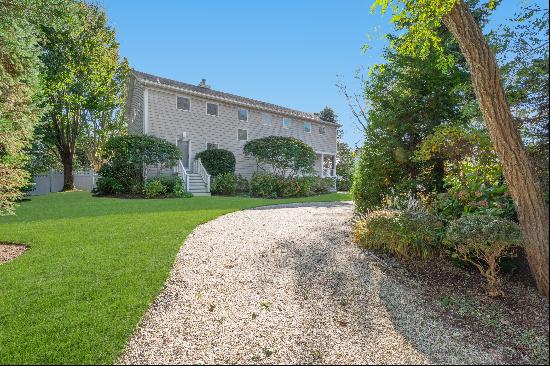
225, 97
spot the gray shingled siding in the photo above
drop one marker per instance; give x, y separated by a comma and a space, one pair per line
167, 122
135, 110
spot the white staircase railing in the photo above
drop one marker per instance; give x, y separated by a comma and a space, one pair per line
199, 168
183, 174
329, 172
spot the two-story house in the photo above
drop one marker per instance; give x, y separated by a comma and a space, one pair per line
196, 117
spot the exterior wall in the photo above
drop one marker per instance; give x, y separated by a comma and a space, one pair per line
135, 108
166, 121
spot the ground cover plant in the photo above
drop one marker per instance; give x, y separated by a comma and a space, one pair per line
93, 267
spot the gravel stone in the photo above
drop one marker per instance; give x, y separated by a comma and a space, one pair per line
285, 285
10, 251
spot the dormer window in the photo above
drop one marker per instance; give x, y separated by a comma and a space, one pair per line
182, 103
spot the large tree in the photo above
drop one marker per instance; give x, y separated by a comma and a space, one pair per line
422, 19
19, 66
408, 97
81, 75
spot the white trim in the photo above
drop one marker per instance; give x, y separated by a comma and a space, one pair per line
238, 114
217, 109
145, 111
184, 97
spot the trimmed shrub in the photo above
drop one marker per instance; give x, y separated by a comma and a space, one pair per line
286, 156
242, 184
171, 187
217, 161
269, 185
264, 185
224, 184
127, 155
403, 233
483, 240
154, 188
321, 185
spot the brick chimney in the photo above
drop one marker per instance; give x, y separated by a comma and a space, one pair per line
203, 84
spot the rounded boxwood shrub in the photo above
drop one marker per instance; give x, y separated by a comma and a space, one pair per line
217, 161
483, 240
224, 184
403, 233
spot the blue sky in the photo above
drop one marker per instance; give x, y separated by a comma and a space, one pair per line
290, 53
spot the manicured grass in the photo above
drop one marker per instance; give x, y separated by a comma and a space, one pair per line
94, 266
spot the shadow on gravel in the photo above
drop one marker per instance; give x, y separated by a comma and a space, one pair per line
346, 292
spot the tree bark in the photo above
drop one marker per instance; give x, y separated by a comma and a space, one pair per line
68, 177
522, 182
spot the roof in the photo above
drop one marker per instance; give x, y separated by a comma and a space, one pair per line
225, 97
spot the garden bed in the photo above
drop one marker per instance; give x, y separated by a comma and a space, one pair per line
10, 251
519, 319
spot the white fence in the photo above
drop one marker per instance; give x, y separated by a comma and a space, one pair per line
53, 182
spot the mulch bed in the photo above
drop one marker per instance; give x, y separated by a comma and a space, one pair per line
518, 321
10, 251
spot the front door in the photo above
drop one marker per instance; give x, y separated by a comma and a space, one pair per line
183, 145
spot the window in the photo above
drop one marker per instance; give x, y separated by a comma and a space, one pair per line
321, 130
286, 122
242, 135
266, 119
243, 115
211, 146
183, 103
212, 109
307, 127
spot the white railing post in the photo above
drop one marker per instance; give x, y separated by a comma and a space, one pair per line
203, 173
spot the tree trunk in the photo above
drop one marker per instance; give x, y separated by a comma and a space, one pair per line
524, 187
68, 177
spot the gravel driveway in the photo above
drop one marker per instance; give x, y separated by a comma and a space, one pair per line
284, 284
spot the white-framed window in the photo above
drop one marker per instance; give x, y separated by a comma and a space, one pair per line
212, 109
307, 127
211, 146
243, 115
183, 103
286, 122
321, 130
242, 135
266, 119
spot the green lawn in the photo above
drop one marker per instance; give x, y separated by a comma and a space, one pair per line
94, 266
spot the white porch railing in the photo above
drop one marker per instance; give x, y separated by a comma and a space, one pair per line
183, 174
199, 168
329, 172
